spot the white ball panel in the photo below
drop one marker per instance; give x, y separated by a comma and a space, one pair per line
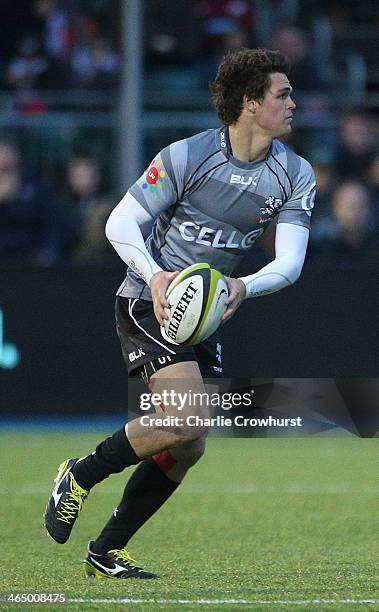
186, 300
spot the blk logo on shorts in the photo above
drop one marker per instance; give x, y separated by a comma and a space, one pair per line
136, 355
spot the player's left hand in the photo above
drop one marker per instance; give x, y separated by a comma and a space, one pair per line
237, 294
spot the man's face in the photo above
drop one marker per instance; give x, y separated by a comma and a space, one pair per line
274, 113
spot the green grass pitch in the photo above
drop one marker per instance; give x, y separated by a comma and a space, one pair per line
281, 521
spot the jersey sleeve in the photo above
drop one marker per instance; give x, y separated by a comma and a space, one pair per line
298, 209
162, 184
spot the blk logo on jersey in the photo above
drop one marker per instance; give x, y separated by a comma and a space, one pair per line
238, 179
154, 176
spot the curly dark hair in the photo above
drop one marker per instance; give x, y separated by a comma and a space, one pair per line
244, 72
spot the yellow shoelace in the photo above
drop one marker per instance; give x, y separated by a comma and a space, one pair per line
124, 556
74, 503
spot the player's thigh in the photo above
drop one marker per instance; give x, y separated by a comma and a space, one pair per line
143, 348
183, 393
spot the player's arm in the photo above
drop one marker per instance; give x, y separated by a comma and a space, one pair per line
155, 191
290, 248
123, 230
124, 233
291, 240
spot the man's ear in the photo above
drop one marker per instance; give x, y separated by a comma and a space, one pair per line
249, 104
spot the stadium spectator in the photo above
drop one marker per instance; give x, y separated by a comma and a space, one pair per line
326, 184
57, 36
171, 41
231, 41
294, 43
24, 73
29, 217
351, 238
26, 68
57, 30
95, 65
310, 84
356, 146
85, 207
225, 25
223, 17
93, 248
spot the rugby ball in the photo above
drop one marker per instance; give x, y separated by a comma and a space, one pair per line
196, 300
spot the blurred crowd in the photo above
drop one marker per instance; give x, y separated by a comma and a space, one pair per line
46, 224
77, 44
55, 45
43, 224
345, 221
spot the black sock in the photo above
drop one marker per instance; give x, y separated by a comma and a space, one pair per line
111, 456
146, 491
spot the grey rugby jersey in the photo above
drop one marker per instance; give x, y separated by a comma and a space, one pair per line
210, 207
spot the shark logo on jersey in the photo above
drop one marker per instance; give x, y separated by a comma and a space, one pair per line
268, 212
273, 205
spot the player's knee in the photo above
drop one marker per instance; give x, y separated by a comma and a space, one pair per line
192, 431
189, 454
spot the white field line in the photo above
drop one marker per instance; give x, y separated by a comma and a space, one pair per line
248, 489
225, 602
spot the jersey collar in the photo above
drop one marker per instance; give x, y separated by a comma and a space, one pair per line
226, 150
224, 142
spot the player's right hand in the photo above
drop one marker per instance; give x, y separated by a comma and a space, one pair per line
158, 286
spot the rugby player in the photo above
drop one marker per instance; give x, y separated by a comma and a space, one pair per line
210, 198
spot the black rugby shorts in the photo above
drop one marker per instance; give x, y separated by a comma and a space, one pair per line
145, 350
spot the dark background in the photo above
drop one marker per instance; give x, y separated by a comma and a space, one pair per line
62, 322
